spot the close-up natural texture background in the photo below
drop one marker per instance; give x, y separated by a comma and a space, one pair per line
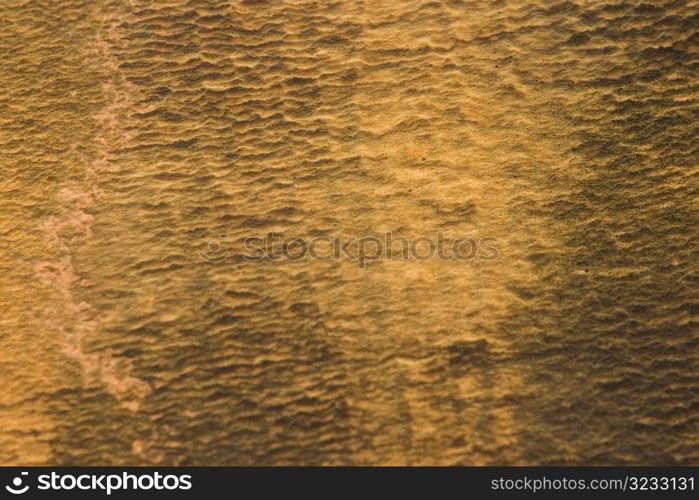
137, 134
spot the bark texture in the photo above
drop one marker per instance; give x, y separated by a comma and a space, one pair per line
137, 136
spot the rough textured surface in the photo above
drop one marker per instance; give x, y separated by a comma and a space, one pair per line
134, 133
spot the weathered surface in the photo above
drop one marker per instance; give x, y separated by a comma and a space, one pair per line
134, 133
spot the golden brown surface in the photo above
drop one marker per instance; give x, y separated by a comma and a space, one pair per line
134, 133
